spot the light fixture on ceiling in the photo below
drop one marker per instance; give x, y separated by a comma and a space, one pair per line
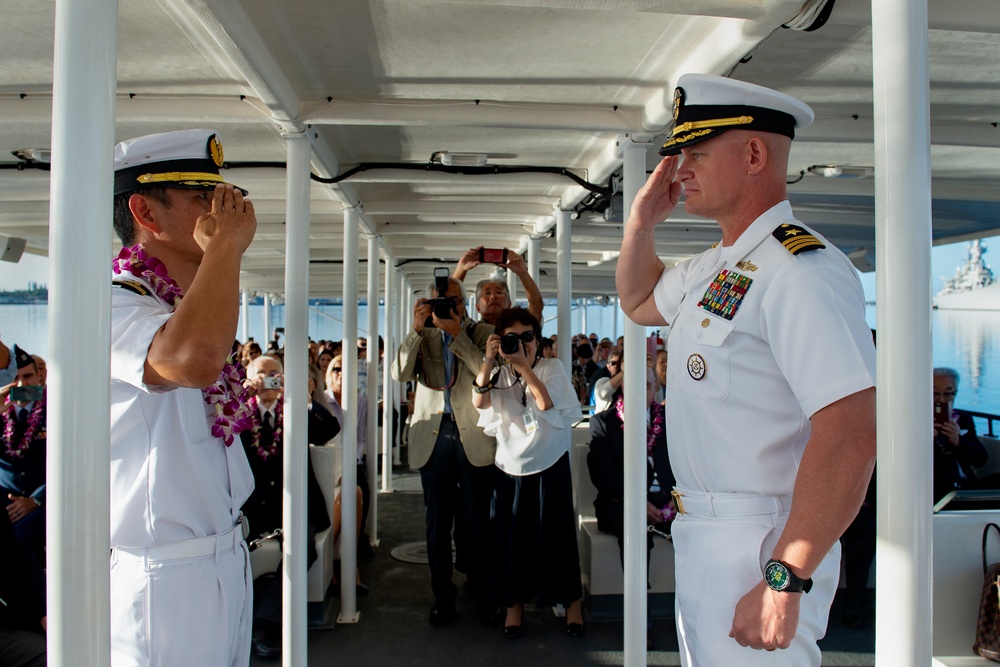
841, 171
450, 159
43, 155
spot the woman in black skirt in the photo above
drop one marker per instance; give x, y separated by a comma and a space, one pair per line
529, 405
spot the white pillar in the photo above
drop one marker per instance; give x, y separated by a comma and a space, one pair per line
634, 175
348, 494
244, 315
78, 468
388, 384
267, 322
903, 618
534, 247
371, 438
295, 441
403, 314
583, 316
511, 287
564, 286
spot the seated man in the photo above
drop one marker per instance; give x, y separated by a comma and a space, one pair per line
957, 450
606, 462
263, 446
22, 455
606, 387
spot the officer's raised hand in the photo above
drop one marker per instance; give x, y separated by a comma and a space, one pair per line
658, 198
231, 220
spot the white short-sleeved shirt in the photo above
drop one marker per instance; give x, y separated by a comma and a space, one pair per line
171, 479
521, 453
747, 372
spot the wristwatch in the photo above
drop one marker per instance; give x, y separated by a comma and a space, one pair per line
779, 577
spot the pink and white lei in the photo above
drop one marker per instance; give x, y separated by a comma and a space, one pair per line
36, 422
227, 396
275, 446
653, 432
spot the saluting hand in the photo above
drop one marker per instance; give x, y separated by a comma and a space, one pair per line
231, 219
658, 197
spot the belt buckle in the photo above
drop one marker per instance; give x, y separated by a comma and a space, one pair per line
245, 525
677, 495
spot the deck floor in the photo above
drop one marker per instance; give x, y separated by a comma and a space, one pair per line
393, 628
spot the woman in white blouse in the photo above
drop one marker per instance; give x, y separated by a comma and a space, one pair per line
529, 405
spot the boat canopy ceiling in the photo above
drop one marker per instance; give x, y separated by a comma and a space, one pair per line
395, 90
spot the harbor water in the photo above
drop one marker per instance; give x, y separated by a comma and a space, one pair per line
968, 341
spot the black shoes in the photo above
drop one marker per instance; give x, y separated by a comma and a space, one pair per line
266, 640
575, 629
512, 631
442, 614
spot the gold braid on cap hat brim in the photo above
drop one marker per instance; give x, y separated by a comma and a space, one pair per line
180, 177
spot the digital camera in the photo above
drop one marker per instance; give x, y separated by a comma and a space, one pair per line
26, 393
272, 382
510, 343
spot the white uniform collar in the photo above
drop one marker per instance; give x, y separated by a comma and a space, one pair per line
757, 232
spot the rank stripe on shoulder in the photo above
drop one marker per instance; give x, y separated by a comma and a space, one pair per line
795, 239
132, 286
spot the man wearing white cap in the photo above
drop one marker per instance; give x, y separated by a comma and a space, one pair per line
770, 402
180, 575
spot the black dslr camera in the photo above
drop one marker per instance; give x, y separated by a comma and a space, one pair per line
442, 306
510, 343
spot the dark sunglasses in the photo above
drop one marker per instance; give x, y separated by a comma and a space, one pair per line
526, 336
337, 369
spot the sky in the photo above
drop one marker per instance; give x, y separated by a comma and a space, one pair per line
944, 260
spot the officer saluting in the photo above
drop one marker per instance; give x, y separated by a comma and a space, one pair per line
771, 403
180, 574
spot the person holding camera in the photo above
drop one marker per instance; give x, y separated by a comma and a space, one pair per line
22, 457
957, 449
529, 405
492, 296
442, 354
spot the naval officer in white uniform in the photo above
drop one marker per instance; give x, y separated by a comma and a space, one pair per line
180, 572
770, 391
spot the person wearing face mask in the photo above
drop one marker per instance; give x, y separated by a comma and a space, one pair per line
529, 405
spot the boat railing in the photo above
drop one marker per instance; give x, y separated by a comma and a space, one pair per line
989, 417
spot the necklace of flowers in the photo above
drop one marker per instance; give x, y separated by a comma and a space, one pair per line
655, 429
227, 397
36, 421
653, 432
275, 446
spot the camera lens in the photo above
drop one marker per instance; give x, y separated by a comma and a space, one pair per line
509, 343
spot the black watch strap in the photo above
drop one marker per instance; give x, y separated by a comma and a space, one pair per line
779, 577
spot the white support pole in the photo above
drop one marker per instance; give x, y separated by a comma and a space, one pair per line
903, 616
371, 437
78, 463
634, 175
295, 441
388, 384
618, 308
267, 322
244, 315
403, 314
534, 247
583, 316
564, 287
511, 287
348, 495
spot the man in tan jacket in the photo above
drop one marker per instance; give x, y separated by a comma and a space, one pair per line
455, 459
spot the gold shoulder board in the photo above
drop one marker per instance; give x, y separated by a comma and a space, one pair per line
132, 286
796, 239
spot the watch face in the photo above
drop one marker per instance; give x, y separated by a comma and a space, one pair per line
777, 576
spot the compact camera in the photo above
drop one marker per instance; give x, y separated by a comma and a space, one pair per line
26, 394
442, 306
493, 255
510, 343
271, 382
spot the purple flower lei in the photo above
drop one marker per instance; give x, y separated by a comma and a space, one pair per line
266, 452
655, 429
36, 420
227, 396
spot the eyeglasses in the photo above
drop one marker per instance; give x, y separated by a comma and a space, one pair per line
946, 394
337, 369
612, 363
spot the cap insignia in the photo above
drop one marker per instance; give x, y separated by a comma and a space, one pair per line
678, 101
215, 150
795, 239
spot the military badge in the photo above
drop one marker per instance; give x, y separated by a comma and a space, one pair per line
696, 367
215, 150
678, 101
795, 239
724, 295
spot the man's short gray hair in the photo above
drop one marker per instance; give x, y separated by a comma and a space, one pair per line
254, 366
944, 371
486, 281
